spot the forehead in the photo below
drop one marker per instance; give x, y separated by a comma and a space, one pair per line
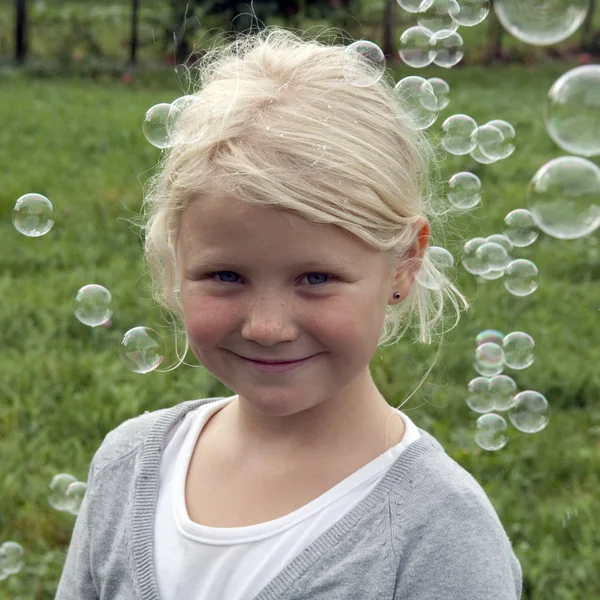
229, 228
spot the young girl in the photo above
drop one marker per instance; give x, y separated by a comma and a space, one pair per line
287, 239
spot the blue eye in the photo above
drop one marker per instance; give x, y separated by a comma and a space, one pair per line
218, 273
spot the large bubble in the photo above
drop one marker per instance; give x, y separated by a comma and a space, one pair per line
541, 22
564, 197
573, 111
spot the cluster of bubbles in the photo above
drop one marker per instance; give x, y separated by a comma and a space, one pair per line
66, 495
493, 392
486, 143
141, 350
491, 258
435, 39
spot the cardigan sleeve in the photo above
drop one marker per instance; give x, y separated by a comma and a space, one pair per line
76, 582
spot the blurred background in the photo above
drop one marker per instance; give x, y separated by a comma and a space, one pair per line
76, 79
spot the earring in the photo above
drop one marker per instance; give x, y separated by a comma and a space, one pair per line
397, 296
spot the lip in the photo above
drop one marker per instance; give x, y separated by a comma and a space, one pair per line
276, 367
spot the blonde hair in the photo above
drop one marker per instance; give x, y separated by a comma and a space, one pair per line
289, 131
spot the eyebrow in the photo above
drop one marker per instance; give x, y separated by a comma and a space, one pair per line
331, 263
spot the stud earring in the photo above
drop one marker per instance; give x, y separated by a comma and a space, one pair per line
397, 296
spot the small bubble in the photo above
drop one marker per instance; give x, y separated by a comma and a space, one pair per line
33, 215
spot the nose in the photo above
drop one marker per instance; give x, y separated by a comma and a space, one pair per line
269, 321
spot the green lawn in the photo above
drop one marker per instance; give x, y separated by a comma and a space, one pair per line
63, 386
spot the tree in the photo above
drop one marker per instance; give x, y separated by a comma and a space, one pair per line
20, 30
134, 30
388, 29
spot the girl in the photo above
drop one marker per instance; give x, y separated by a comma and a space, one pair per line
287, 238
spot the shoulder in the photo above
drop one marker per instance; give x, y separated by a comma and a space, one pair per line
438, 486
129, 436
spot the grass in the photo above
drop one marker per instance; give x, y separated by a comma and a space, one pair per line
63, 387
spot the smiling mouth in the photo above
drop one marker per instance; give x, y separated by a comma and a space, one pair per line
276, 362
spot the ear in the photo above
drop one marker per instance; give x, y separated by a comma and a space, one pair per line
407, 272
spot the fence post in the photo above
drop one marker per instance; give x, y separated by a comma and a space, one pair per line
20, 30
134, 31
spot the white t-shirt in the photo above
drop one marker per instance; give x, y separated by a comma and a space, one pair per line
193, 561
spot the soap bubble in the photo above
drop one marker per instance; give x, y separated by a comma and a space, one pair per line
493, 256
478, 397
465, 190
490, 141
154, 125
33, 215
437, 16
520, 228
472, 12
76, 492
530, 412
92, 305
448, 50
518, 350
541, 22
573, 111
441, 90
443, 261
509, 134
564, 197
141, 350
472, 262
489, 433
417, 47
521, 277
501, 240
492, 274
419, 100
58, 498
477, 155
458, 131
186, 110
489, 359
502, 390
411, 6
489, 335
372, 55
11, 558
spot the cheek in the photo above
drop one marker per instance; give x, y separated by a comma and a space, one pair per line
206, 320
